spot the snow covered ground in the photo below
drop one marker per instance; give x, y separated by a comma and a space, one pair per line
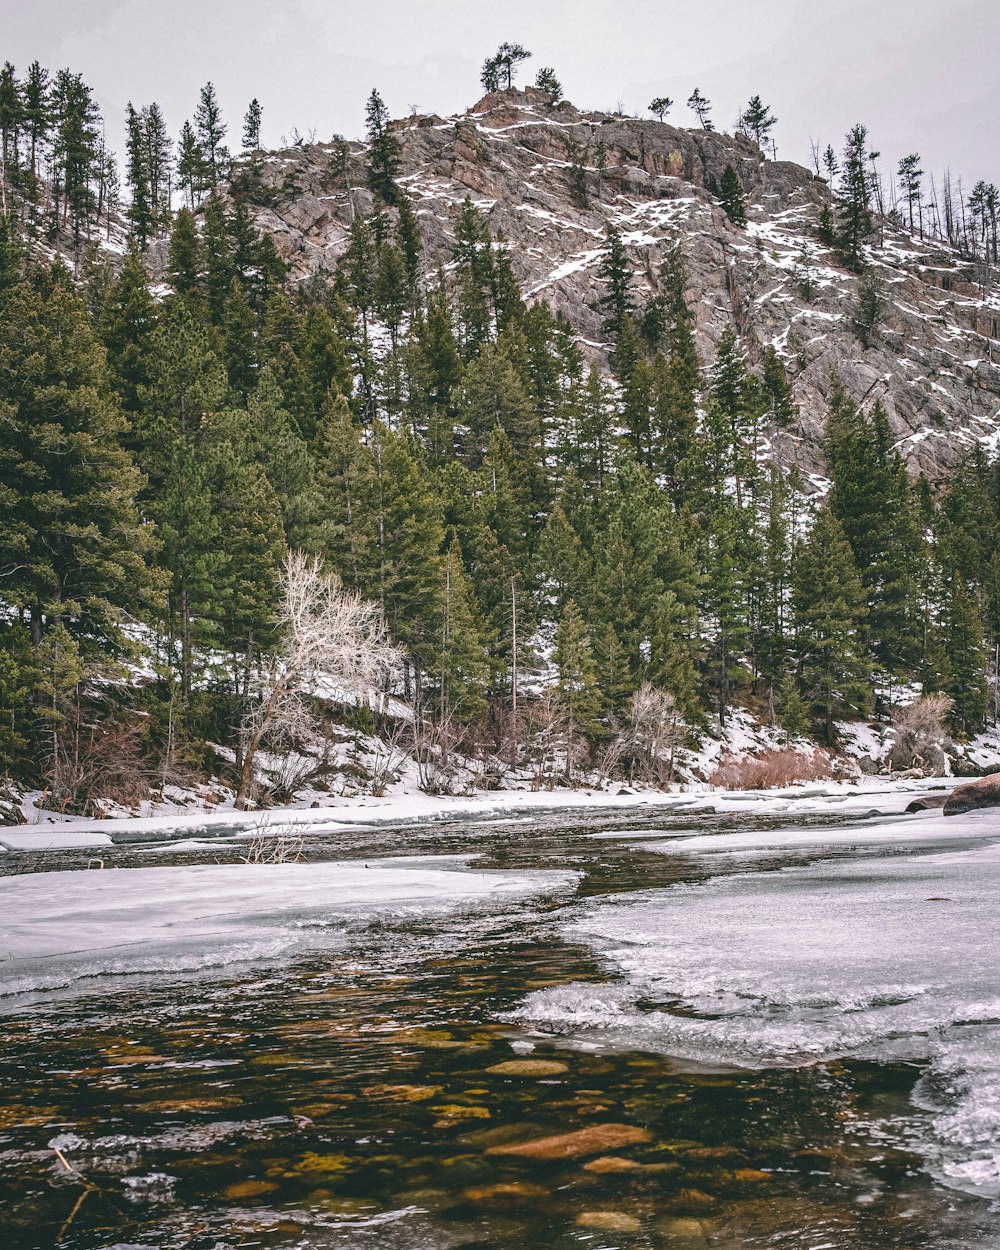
58, 929
887, 948
51, 831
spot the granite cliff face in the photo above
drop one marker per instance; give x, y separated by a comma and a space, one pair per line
935, 363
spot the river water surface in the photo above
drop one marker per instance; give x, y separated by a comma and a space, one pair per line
740, 1032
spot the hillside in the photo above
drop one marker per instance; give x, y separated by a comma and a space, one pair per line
932, 364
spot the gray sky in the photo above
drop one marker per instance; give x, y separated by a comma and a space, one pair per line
923, 75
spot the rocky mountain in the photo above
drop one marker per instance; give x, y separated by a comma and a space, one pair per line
934, 362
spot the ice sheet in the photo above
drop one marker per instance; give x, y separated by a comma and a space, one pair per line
59, 928
887, 956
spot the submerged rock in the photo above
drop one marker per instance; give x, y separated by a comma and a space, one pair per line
587, 1141
505, 1194
529, 1067
609, 1221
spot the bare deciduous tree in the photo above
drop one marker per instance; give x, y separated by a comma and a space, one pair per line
325, 632
651, 736
920, 736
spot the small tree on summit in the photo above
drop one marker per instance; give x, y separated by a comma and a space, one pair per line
498, 70
701, 107
661, 106
546, 80
757, 121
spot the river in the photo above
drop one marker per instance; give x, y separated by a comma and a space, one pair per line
618, 1030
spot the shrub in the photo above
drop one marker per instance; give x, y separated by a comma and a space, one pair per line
774, 769
920, 737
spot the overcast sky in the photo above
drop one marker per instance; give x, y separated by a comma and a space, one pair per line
923, 75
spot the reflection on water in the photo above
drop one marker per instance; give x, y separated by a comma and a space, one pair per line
370, 1098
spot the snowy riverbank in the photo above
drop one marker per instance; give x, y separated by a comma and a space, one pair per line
50, 831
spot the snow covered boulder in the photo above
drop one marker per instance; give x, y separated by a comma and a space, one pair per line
983, 792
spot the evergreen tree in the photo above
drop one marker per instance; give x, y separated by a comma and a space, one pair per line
189, 531
661, 106
757, 121
547, 82
383, 150
828, 602
731, 197
615, 270
187, 263
577, 684
854, 198
210, 131
701, 109
251, 127
563, 564
404, 575
344, 484
190, 165
781, 409
140, 209
463, 661
957, 646
128, 320
72, 545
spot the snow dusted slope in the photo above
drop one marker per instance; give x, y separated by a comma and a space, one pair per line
891, 955
933, 366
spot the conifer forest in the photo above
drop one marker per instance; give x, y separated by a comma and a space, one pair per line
561, 551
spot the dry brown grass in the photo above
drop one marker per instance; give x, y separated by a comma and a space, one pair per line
774, 769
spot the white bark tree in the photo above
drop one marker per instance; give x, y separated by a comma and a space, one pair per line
652, 734
326, 634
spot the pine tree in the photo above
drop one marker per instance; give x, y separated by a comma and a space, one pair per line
731, 197
463, 662
126, 326
191, 554
492, 397
661, 106
701, 108
72, 545
757, 121
251, 127
404, 575
410, 245
75, 147
190, 165
18, 679
615, 270
563, 563
577, 683
854, 198
547, 82
383, 150
140, 209
210, 130
829, 609
187, 263
959, 648
782, 411
344, 483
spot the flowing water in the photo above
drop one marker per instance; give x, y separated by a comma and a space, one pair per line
378, 1090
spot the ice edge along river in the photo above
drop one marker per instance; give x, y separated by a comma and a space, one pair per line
885, 947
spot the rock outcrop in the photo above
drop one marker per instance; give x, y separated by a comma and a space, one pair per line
935, 362
983, 792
